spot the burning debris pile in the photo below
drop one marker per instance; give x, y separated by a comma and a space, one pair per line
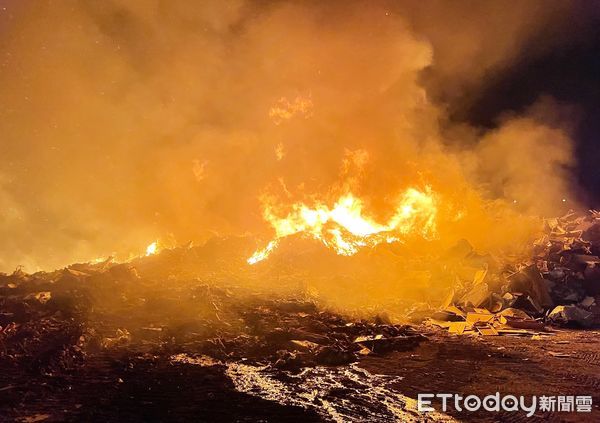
205, 306
116, 307
559, 285
107, 319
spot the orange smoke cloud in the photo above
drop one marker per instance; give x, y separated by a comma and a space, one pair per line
128, 122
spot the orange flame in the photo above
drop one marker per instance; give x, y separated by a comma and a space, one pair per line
344, 227
285, 109
260, 255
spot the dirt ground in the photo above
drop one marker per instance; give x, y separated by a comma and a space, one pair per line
129, 385
509, 365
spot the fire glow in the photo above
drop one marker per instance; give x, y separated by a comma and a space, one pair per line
151, 249
344, 227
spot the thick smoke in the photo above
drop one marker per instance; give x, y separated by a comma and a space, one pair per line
123, 122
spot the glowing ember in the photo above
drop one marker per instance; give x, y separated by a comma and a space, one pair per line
151, 249
100, 260
345, 229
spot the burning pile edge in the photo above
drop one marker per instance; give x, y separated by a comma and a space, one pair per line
559, 285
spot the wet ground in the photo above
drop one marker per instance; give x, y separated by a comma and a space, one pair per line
124, 385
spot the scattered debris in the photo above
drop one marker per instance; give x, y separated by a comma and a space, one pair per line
122, 337
560, 286
571, 315
559, 354
479, 321
124, 316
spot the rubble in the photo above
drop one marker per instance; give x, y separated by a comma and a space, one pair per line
571, 315
560, 285
567, 258
479, 321
103, 308
107, 315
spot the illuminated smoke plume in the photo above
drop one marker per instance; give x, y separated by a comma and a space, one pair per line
127, 122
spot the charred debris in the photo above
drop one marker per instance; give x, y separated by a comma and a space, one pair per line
56, 322
558, 286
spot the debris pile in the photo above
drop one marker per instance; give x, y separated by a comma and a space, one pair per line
479, 321
110, 321
559, 285
568, 258
54, 321
293, 334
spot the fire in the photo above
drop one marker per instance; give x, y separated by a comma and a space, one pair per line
344, 227
285, 109
151, 249
260, 255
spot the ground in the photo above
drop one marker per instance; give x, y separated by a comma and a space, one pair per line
125, 385
509, 365
108, 342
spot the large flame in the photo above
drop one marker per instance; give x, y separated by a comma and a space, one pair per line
344, 227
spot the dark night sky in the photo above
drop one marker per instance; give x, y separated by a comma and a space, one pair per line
570, 75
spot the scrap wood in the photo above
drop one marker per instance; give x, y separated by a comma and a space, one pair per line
303, 344
479, 317
480, 321
459, 327
516, 332
565, 273
487, 330
477, 296
559, 354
